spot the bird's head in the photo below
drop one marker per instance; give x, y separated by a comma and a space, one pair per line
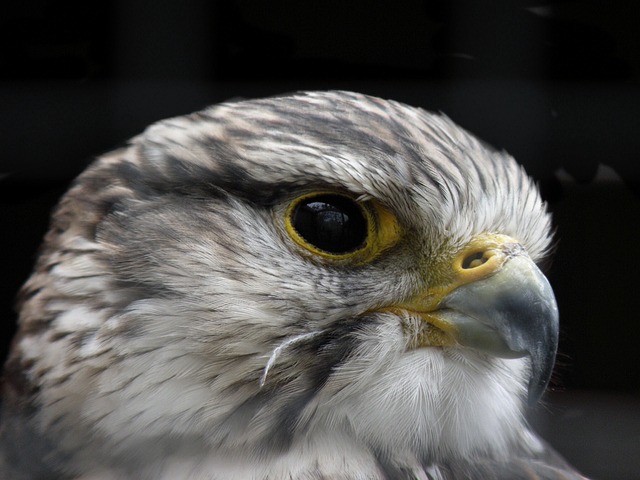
321, 265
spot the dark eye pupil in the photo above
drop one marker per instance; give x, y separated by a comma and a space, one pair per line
332, 223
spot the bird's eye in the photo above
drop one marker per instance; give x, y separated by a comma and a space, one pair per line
338, 227
332, 223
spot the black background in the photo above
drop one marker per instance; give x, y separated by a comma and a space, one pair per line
556, 84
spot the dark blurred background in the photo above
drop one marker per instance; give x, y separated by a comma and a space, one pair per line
556, 84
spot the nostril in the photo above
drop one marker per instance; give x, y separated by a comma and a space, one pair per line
474, 260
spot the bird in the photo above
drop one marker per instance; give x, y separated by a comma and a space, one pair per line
316, 285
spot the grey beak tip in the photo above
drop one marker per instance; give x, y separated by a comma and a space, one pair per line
535, 392
518, 304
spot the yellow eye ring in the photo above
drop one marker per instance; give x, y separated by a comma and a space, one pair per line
338, 227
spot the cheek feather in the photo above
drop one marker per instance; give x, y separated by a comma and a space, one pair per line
432, 400
282, 346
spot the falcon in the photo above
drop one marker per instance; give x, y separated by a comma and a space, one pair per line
324, 285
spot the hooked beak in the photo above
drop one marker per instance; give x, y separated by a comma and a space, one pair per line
496, 301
